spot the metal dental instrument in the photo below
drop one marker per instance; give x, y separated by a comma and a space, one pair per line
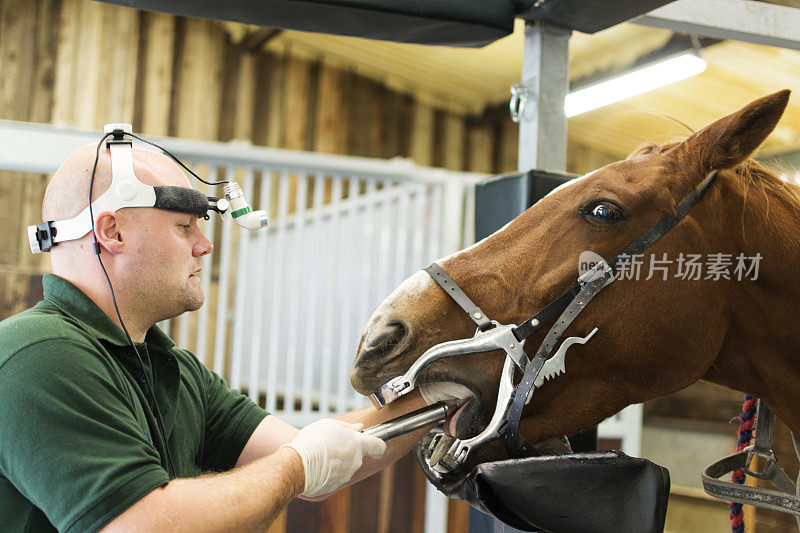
556, 365
460, 449
413, 421
499, 337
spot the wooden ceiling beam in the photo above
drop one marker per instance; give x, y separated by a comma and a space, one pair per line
256, 39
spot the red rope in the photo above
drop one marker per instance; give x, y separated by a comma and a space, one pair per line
746, 422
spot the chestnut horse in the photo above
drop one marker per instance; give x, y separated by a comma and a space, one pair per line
655, 336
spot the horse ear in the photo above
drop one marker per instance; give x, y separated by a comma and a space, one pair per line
730, 140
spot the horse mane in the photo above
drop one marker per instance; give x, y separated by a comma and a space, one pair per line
759, 186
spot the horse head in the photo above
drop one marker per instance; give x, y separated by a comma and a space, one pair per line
656, 334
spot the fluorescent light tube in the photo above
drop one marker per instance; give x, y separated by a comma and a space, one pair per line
636, 82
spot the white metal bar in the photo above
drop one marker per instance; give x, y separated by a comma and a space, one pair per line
221, 326
468, 231
366, 270
296, 284
418, 229
633, 444
241, 298
205, 279
343, 253
277, 282
314, 286
349, 258
401, 223
384, 246
435, 237
435, 510
258, 295
332, 303
739, 20
41, 148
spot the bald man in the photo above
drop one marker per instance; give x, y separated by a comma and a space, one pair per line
80, 445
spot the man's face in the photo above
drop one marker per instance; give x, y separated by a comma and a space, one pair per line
164, 267
169, 250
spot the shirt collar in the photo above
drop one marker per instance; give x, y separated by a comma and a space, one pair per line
71, 301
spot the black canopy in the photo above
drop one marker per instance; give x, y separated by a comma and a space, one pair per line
440, 22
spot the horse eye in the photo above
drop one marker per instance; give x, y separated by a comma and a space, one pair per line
604, 212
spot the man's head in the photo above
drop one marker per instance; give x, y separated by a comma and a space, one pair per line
151, 255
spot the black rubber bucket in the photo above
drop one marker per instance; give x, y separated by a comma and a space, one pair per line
577, 492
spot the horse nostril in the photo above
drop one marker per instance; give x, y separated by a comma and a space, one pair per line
386, 338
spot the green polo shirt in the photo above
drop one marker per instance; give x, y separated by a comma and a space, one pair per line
79, 442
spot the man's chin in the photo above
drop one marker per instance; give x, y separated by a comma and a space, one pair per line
193, 304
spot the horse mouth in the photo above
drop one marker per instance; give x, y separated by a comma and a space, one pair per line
465, 422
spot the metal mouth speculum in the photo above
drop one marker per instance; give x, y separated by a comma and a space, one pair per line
460, 449
500, 337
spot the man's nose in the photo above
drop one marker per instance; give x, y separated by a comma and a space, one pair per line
203, 247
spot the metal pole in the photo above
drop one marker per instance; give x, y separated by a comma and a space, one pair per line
545, 76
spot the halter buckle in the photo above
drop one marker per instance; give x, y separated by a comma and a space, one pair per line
769, 463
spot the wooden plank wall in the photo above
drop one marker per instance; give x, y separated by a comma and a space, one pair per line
80, 63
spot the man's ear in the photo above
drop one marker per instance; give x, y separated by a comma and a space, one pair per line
109, 232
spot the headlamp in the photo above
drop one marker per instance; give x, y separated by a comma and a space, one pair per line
127, 191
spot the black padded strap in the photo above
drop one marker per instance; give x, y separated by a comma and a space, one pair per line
181, 200
451, 287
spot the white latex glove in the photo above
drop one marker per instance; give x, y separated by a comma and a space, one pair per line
443, 391
332, 451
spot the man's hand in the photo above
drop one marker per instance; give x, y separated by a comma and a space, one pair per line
332, 451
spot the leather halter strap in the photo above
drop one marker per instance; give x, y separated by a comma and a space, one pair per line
650, 236
451, 287
785, 499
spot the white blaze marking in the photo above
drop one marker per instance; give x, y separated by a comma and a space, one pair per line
413, 285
